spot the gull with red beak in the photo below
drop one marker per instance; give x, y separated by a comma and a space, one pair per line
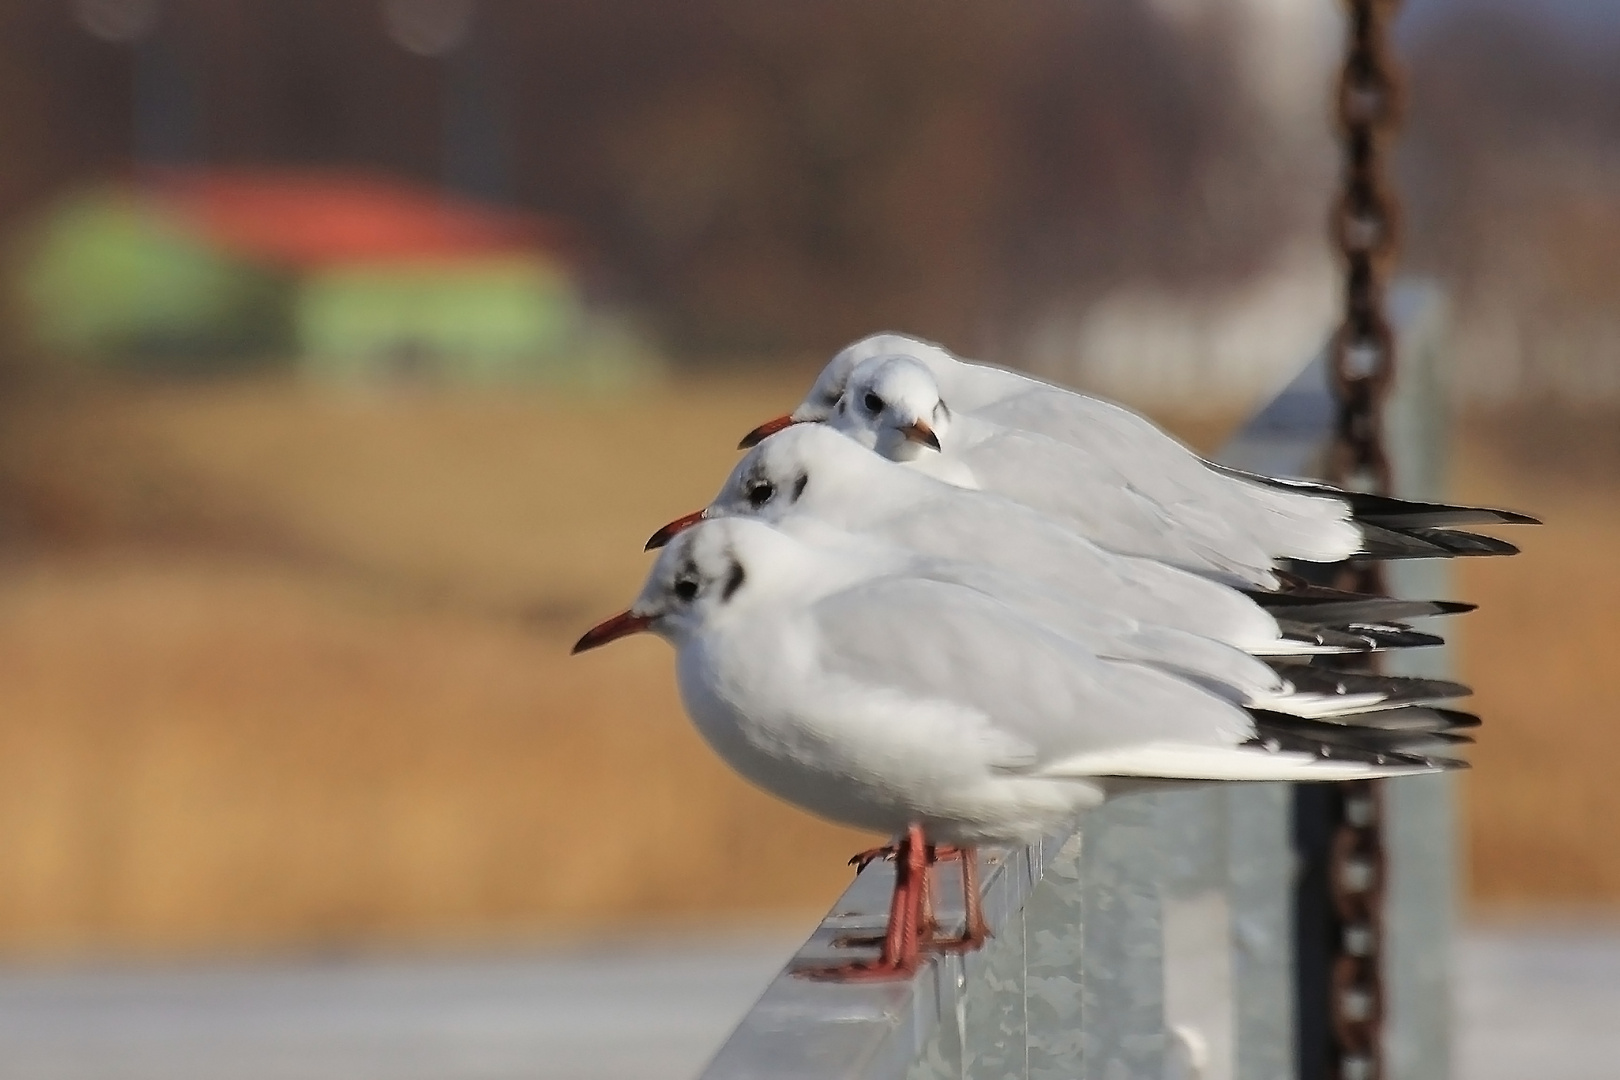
825, 489
930, 710
828, 389
1060, 451
888, 398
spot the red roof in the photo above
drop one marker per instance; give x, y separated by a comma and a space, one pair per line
307, 219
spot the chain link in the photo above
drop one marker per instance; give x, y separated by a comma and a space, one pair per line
1366, 229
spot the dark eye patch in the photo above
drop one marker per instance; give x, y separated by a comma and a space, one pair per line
873, 403
734, 581
798, 485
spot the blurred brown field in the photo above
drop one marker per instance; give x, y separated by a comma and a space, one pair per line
1542, 809
280, 666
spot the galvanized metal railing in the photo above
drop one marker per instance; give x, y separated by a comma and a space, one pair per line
1158, 939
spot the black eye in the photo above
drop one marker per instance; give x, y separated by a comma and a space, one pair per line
761, 493
873, 403
686, 588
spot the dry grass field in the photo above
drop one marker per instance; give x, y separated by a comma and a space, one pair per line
286, 668
276, 667
1542, 809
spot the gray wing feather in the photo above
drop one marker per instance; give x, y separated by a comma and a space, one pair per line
1100, 503
1111, 635
932, 640
1000, 532
1282, 522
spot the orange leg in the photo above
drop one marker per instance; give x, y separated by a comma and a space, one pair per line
974, 930
928, 925
902, 945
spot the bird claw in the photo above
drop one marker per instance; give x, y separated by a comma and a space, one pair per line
862, 859
860, 971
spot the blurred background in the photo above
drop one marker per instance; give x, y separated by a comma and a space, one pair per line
350, 349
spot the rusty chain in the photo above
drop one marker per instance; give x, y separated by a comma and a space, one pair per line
1366, 229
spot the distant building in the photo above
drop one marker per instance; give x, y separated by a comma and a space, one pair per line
350, 276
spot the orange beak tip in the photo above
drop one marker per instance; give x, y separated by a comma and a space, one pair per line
921, 433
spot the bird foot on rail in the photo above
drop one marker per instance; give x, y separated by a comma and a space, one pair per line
908, 910
928, 925
912, 929
862, 859
975, 931
879, 970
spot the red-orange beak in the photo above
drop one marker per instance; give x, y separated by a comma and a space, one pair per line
921, 433
765, 431
674, 529
621, 625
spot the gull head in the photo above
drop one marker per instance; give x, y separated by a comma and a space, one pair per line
808, 467
698, 574
819, 404
771, 478
892, 404
712, 570
830, 385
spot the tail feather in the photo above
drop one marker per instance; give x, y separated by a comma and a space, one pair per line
1392, 635
1409, 513
1413, 718
1318, 693
1457, 542
1316, 605
1306, 638
1388, 511
1369, 745
1378, 542
1369, 739
1400, 514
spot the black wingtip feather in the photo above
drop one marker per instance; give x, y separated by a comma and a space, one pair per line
1426, 543
1396, 689
1412, 719
1386, 510
1405, 514
1465, 543
1357, 637
1322, 606
1381, 543
1344, 742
